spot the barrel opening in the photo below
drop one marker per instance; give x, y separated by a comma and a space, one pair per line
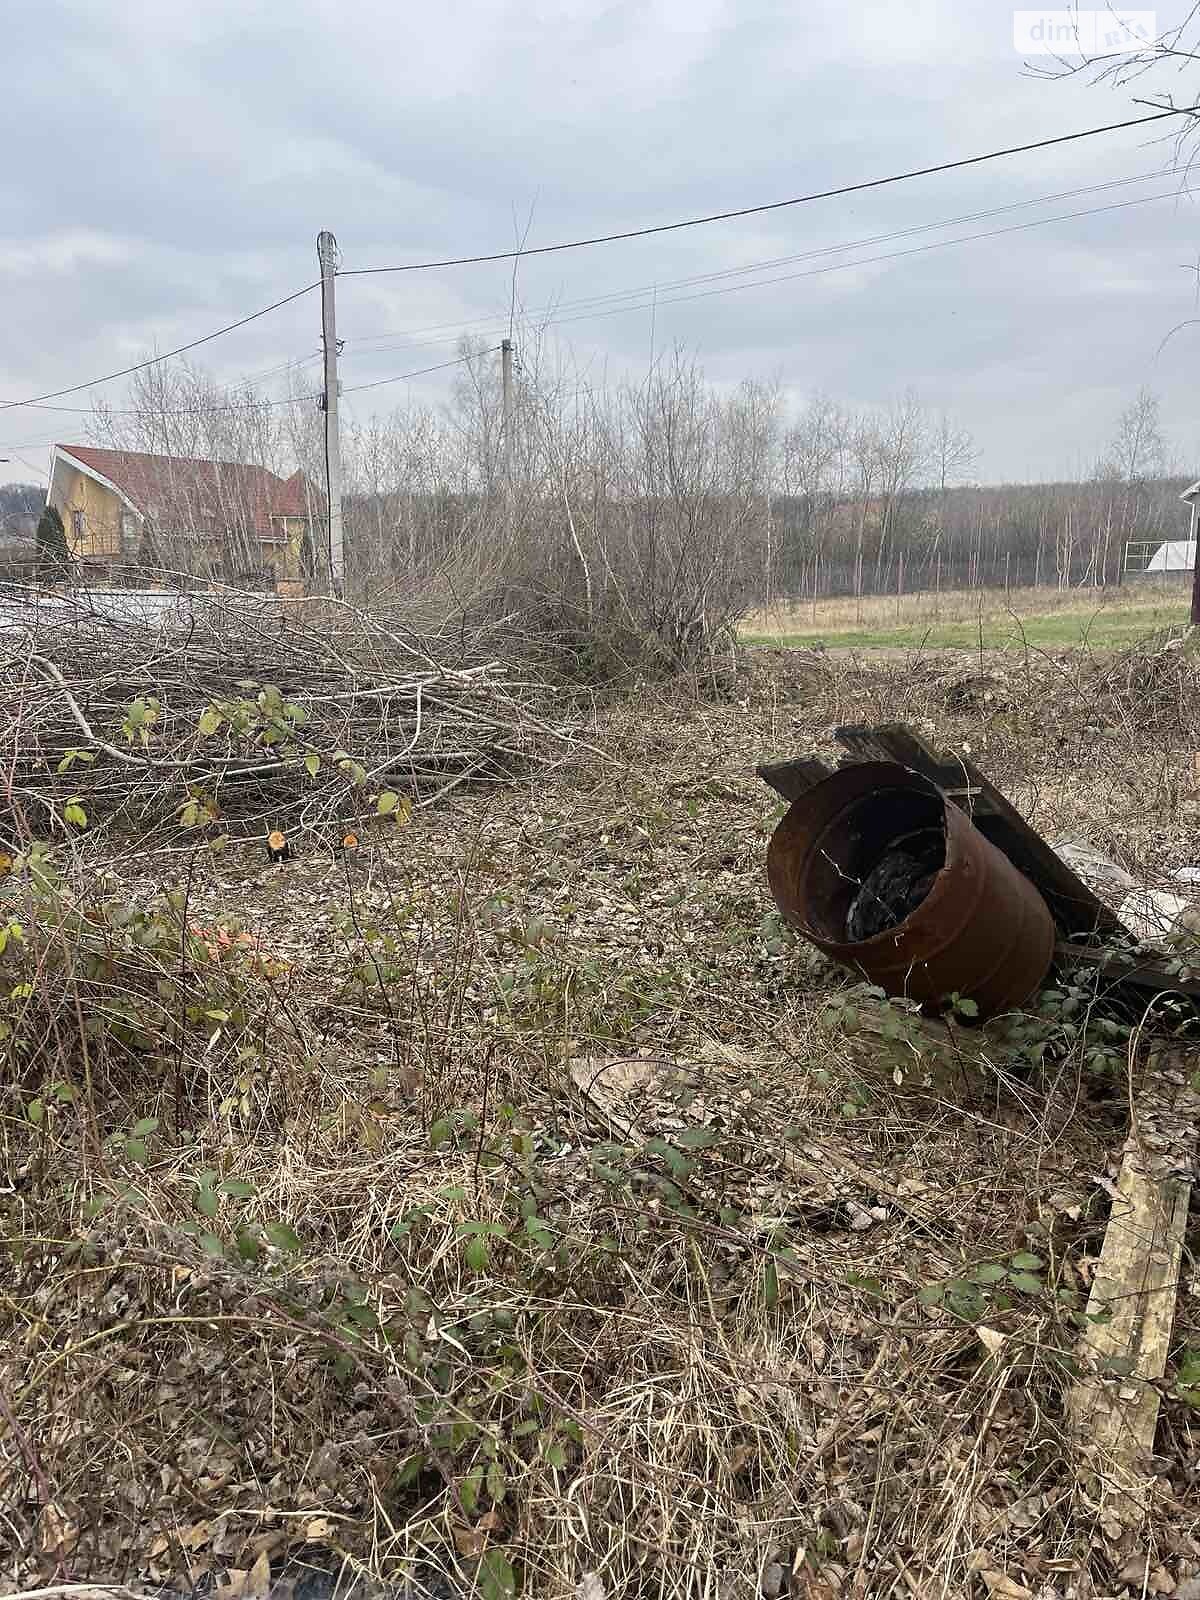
875, 863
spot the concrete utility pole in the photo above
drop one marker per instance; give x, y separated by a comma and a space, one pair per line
506, 412
327, 255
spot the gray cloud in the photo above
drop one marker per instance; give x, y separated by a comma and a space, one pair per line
168, 167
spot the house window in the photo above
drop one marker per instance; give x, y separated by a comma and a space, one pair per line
77, 526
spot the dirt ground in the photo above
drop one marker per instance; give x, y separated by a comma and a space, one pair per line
555, 1221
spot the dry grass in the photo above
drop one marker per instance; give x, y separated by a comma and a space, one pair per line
903, 620
506, 1305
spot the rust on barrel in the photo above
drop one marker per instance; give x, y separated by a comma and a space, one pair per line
878, 869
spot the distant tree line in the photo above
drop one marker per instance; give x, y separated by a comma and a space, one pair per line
651, 515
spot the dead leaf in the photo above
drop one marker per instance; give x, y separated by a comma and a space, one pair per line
469, 1541
258, 1580
589, 1587
58, 1532
1002, 1587
992, 1341
318, 1528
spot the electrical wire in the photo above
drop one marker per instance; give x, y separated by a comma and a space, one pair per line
441, 367
772, 205
414, 337
611, 238
262, 405
140, 366
836, 266
865, 261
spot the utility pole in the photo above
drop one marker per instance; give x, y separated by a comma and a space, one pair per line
327, 256
506, 411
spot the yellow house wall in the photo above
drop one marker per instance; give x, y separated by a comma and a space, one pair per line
101, 538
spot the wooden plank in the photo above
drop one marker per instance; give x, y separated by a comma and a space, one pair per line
1076, 909
895, 741
791, 779
1145, 976
1114, 1405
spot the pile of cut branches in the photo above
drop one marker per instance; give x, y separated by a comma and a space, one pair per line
243, 711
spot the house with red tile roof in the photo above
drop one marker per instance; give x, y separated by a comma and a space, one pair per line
126, 512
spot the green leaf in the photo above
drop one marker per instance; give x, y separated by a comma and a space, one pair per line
966, 1008
239, 1188
1026, 1261
74, 813
556, 1455
497, 1580
1026, 1282
410, 1471
439, 1133
990, 1273
697, 1138
144, 1126
247, 1245
205, 1201
540, 1235
388, 801
135, 1150
313, 764
771, 1284
476, 1253
932, 1294
363, 1316
282, 1237
36, 1112
868, 1285
680, 1166
468, 1490
211, 1245
210, 722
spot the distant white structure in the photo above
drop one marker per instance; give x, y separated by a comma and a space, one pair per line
1145, 556
1176, 555
1190, 498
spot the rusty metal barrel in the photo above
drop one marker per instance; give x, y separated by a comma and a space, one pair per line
981, 931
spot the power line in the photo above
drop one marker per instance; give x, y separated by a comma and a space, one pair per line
259, 405
140, 366
414, 336
836, 266
611, 238
773, 205
441, 367
863, 261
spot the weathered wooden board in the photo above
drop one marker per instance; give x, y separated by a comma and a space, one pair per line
791, 779
1114, 1405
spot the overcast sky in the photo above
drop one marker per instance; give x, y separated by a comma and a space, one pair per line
167, 165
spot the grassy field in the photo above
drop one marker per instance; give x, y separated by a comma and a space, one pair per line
1038, 618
